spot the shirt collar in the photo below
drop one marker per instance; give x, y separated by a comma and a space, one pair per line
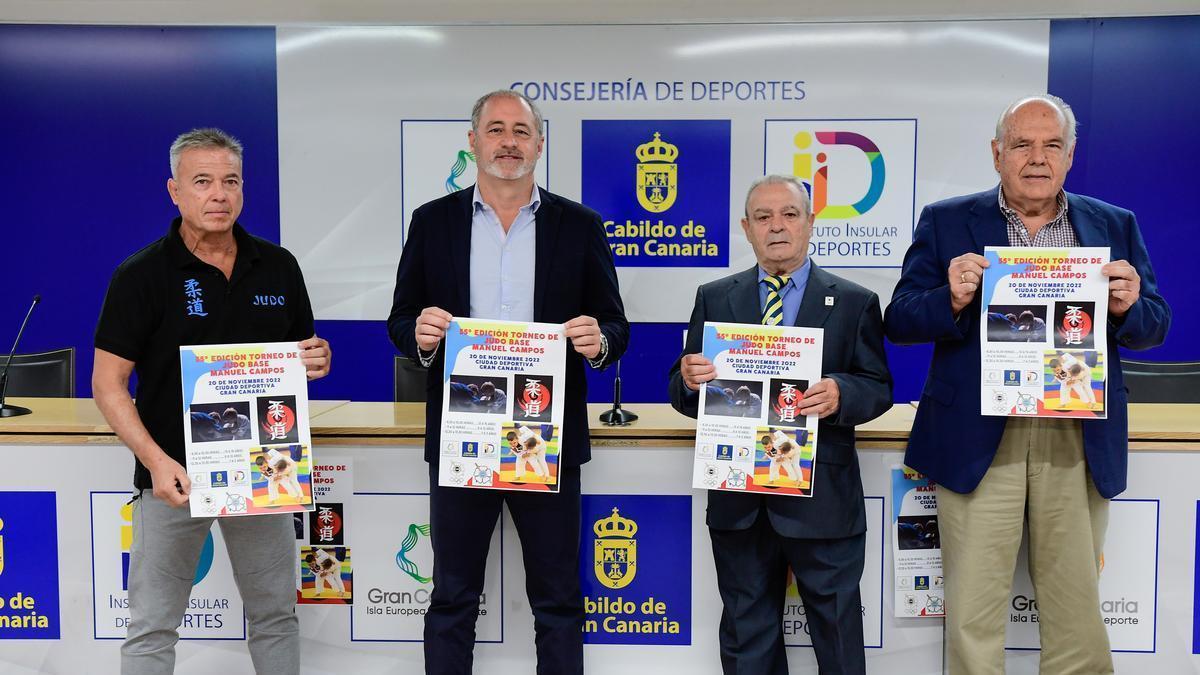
535, 200
795, 276
247, 250
1059, 216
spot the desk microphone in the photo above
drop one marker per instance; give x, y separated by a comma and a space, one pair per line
14, 410
617, 416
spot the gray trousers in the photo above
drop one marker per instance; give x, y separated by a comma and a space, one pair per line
166, 548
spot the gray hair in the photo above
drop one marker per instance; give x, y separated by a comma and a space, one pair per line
477, 111
203, 138
780, 179
1060, 106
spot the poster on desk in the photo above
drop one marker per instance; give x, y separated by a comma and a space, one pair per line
1042, 332
246, 429
916, 545
502, 407
750, 435
325, 575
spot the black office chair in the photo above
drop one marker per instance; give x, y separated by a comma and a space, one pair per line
410, 381
1162, 382
44, 375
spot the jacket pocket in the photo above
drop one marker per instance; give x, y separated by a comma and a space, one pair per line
939, 391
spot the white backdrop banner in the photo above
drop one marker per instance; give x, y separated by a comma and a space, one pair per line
393, 571
658, 128
1128, 582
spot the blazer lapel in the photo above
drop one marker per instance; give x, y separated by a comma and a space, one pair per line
743, 297
1089, 228
986, 221
816, 305
547, 221
460, 250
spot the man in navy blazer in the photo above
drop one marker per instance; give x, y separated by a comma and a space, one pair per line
991, 471
507, 249
823, 538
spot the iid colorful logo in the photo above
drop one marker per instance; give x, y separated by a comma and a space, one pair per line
860, 176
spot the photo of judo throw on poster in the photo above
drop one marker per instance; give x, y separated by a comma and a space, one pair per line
501, 421
281, 475
530, 453
784, 458
246, 430
326, 575
1074, 380
750, 435
1040, 356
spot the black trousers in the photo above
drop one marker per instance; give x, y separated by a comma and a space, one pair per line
752, 579
462, 522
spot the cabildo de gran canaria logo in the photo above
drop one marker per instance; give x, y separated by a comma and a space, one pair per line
29, 595
657, 174
410, 542
616, 550
662, 189
639, 589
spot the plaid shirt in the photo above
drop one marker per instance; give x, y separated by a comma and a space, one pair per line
1056, 233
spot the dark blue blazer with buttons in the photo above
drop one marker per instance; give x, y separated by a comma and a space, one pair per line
951, 441
853, 355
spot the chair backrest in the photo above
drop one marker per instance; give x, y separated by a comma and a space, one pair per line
45, 375
410, 381
1162, 382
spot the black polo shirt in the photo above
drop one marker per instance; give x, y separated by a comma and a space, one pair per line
163, 296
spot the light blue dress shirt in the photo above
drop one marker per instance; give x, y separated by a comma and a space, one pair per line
791, 293
502, 264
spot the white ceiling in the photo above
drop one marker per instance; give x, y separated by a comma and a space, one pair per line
419, 12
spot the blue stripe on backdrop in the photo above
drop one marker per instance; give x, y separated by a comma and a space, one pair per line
88, 115
1135, 86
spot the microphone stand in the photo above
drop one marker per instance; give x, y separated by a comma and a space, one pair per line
617, 416
14, 410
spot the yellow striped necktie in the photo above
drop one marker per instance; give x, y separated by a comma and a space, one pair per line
773, 310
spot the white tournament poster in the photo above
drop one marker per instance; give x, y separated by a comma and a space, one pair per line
916, 545
750, 435
1043, 344
246, 429
502, 407
325, 575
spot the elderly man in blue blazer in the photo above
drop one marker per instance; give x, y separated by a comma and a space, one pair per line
756, 537
507, 249
995, 472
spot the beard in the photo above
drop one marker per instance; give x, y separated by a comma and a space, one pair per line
495, 170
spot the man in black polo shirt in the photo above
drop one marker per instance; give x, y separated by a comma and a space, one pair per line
206, 282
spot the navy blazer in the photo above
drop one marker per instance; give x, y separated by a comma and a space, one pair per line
853, 355
951, 441
575, 276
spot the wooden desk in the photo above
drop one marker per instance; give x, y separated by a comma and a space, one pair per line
1152, 426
